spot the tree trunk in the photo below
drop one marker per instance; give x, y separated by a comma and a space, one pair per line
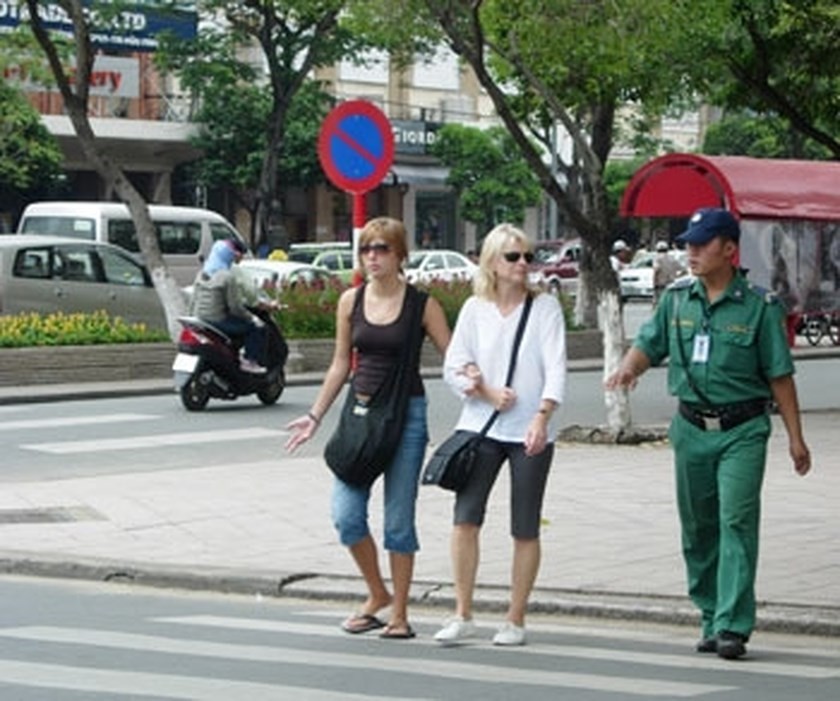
611, 323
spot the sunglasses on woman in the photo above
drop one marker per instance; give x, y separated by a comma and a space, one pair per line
374, 248
514, 256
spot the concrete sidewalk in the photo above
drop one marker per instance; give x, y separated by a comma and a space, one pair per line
610, 539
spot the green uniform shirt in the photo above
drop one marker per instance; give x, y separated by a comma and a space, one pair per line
746, 334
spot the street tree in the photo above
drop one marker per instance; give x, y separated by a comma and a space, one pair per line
488, 173
294, 37
232, 137
578, 65
75, 94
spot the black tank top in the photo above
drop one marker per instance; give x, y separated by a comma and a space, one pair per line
379, 346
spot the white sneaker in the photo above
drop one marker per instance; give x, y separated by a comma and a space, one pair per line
457, 629
510, 634
252, 367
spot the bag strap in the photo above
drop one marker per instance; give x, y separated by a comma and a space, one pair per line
517, 340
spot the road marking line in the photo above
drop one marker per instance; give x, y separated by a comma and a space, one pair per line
365, 661
153, 441
171, 686
75, 421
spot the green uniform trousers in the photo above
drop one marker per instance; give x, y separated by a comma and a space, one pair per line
718, 478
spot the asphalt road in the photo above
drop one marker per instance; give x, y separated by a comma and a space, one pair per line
64, 641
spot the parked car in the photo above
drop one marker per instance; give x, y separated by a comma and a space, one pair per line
256, 274
438, 264
48, 274
558, 270
339, 262
636, 280
185, 234
307, 251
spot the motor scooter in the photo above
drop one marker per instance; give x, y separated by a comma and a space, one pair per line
208, 363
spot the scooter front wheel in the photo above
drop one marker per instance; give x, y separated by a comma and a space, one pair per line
194, 394
269, 394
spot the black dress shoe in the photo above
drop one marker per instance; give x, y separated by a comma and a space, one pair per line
708, 644
731, 646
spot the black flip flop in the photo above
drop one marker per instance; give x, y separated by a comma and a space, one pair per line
390, 634
362, 623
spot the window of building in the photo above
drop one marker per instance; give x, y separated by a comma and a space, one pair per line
441, 73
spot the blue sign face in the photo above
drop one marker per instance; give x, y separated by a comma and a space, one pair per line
356, 146
134, 28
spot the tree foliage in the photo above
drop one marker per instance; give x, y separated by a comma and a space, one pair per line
30, 159
778, 58
487, 171
760, 136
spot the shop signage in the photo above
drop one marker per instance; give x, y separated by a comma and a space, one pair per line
133, 28
414, 136
112, 76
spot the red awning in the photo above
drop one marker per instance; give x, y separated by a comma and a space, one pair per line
677, 184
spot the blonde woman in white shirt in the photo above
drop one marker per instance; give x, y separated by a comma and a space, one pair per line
475, 367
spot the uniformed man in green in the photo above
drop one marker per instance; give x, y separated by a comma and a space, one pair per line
728, 357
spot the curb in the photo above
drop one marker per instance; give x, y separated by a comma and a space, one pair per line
771, 617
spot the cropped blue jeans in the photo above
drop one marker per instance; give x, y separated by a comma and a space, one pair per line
350, 502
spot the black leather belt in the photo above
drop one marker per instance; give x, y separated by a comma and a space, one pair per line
723, 418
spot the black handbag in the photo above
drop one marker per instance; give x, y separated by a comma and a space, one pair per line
454, 460
368, 433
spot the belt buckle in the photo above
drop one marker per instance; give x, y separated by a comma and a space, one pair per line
711, 423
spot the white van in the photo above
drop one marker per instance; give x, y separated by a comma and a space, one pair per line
185, 234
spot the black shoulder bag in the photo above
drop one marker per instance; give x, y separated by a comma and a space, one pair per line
368, 433
454, 460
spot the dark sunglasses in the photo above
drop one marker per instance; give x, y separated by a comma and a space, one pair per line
514, 256
374, 248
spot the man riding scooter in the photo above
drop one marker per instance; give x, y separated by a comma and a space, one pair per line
217, 299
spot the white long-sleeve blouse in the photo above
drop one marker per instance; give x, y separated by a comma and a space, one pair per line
484, 337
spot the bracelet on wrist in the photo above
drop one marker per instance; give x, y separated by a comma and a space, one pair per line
313, 417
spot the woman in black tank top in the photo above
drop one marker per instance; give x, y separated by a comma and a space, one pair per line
372, 321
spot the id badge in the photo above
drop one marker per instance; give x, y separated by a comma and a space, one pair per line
701, 348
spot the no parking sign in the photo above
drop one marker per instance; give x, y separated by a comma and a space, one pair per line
356, 146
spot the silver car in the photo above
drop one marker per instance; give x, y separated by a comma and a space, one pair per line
48, 274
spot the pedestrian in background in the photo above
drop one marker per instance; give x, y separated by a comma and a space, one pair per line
475, 367
728, 358
666, 269
621, 256
372, 320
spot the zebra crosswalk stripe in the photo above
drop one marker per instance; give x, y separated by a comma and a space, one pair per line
153, 441
646, 688
588, 652
171, 686
66, 421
